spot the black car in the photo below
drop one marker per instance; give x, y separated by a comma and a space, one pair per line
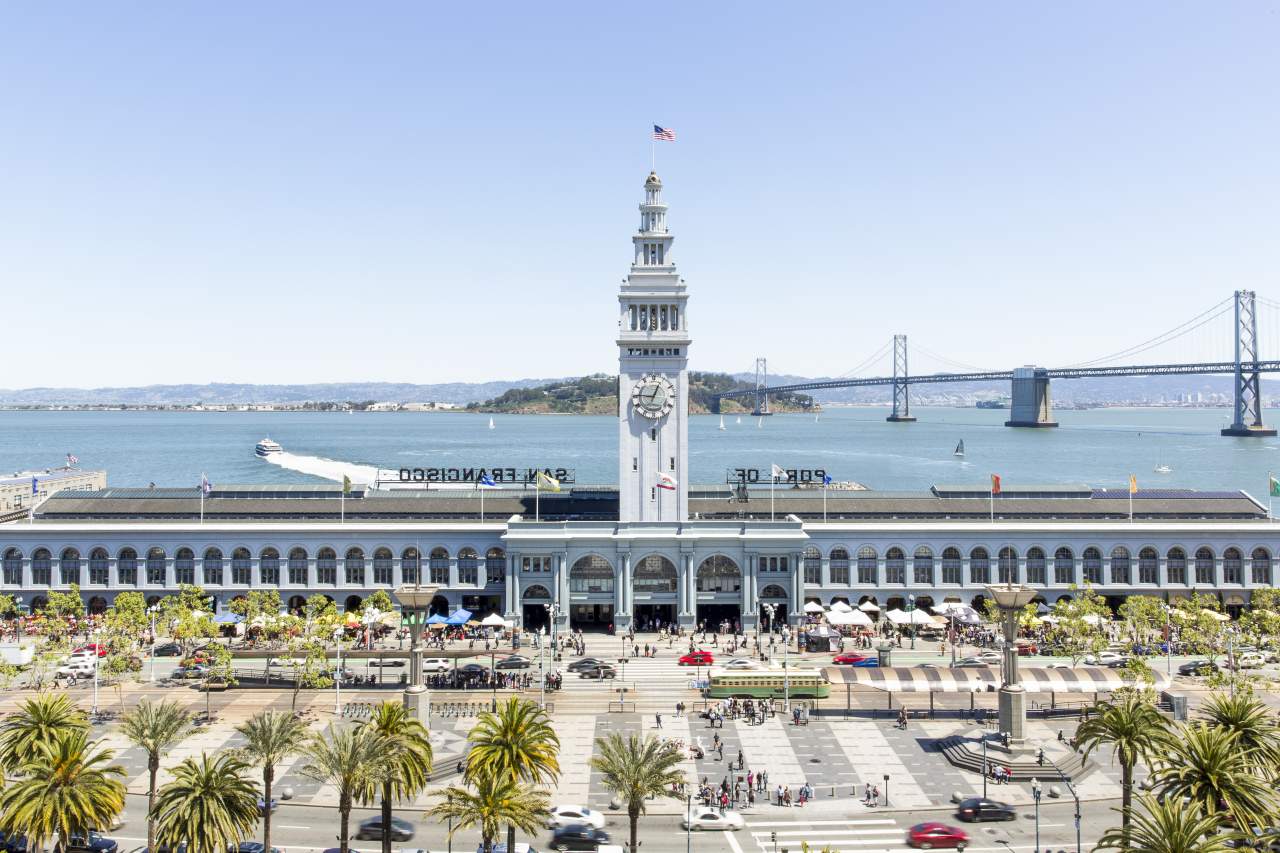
980, 808
472, 668
371, 828
584, 663
168, 650
1197, 667
513, 662
386, 662
578, 836
92, 843
15, 844
600, 671
249, 847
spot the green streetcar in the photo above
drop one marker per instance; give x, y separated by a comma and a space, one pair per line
768, 684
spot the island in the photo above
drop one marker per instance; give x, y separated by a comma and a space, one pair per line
598, 395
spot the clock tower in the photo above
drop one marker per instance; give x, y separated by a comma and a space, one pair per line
653, 374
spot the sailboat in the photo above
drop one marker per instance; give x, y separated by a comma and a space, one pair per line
739, 419
722, 422
490, 423
1161, 468
759, 423
960, 449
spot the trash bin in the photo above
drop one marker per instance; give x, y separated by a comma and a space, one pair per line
884, 653
1179, 706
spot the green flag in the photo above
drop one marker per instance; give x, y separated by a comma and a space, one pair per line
1274, 485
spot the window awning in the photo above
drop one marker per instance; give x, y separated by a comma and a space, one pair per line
929, 679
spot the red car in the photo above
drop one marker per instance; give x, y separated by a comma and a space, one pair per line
697, 659
93, 647
848, 657
927, 836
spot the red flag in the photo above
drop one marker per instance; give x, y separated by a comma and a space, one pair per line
995, 484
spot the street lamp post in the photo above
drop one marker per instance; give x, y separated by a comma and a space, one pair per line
337, 672
153, 609
1035, 792
886, 790
96, 647
911, 606
542, 665
688, 823
1011, 598
415, 601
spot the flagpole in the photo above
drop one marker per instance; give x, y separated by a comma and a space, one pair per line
537, 499
482, 504
342, 507
992, 494
773, 485
824, 503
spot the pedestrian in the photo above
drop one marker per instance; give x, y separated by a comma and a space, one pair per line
658, 718
742, 764
779, 794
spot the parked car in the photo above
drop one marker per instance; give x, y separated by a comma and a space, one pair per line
1197, 667
513, 662
707, 818
578, 836
77, 668
94, 842
600, 671
249, 847
1103, 658
92, 648
932, 834
1026, 647
566, 815
196, 670
583, 663
980, 808
371, 828
741, 663
966, 663
989, 656
436, 665
168, 650
285, 662
698, 658
848, 658
1249, 660
388, 662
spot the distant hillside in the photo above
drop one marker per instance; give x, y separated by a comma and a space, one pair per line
597, 395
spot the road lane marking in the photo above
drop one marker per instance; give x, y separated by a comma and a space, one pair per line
853, 821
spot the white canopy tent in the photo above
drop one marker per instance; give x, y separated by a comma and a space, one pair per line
812, 607
841, 607
493, 620
869, 607
915, 617
852, 617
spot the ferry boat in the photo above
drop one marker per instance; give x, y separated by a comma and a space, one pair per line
266, 447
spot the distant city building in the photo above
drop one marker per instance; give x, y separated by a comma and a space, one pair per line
22, 490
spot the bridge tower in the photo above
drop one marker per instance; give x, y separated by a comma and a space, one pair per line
1030, 405
762, 380
901, 401
1248, 390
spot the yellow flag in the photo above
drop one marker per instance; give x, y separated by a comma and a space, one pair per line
1133, 485
546, 481
346, 485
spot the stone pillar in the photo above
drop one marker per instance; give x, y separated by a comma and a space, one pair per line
512, 587
1162, 571
453, 572
313, 574
825, 575
255, 572
562, 584
966, 571
1031, 406
113, 573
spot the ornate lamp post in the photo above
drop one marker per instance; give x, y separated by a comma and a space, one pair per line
1011, 599
415, 601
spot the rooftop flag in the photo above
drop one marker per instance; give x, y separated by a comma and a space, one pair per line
995, 484
1133, 484
666, 481
205, 486
35, 486
777, 472
486, 482
663, 134
1273, 487
72, 459
546, 481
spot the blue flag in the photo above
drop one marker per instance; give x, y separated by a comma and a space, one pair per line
35, 486
486, 480
826, 479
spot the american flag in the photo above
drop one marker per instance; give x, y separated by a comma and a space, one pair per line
663, 134
72, 459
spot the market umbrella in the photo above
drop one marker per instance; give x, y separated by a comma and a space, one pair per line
812, 607
459, 617
852, 617
869, 607
437, 619
841, 606
493, 620
897, 617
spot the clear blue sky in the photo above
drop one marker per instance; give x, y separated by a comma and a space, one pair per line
296, 192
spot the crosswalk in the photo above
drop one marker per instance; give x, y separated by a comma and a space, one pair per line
653, 684
848, 835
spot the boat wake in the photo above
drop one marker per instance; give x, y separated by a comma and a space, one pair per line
327, 469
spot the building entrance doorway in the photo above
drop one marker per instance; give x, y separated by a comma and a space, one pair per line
591, 617
649, 617
711, 616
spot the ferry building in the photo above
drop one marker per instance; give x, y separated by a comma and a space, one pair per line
653, 548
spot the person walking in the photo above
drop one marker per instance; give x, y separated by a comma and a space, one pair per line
658, 719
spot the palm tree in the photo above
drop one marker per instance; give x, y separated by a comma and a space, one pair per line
1135, 730
515, 743
636, 769
270, 737
1168, 827
66, 788
1204, 764
408, 757
39, 720
1257, 734
496, 801
208, 806
155, 728
353, 760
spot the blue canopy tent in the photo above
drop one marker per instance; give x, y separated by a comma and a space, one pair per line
459, 617
437, 619
228, 619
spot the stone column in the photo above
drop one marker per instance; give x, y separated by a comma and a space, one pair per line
313, 574
620, 592
255, 573
453, 571
562, 584
824, 578
966, 571
27, 582
512, 588
1162, 571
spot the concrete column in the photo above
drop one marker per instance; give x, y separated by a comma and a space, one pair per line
620, 592
562, 584
825, 575
509, 587
453, 572
1106, 571
1162, 571
113, 573
313, 575
255, 573
1218, 581
27, 582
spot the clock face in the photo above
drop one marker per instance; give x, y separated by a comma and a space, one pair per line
653, 396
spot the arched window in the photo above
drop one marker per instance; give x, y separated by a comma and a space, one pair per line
951, 565
42, 567
812, 566
211, 567
269, 567
979, 566
1036, 566
591, 574
1232, 563
1261, 567
655, 573
468, 567
438, 564
867, 558
536, 592
1204, 566
297, 566
718, 573
495, 567
410, 565
241, 567
1120, 565
353, 567
1064, 567
99, 567
1148, 566
184, 566
69, 566
1007, 565
839, 567
382, 561
1091, 563
156, 564
895, 566
1176, 566
13, 567
922, 566
327, 567
773, 592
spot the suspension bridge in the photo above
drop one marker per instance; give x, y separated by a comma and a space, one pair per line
1030, 402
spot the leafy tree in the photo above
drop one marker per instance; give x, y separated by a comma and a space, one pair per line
270, 738
209, 806
1256, 731
353, 760
66, 788
127, 616
220, 673
320, 614
1144, 617
1169, 827
1261, 622
258, 606
1203, 764
309, 665
408, 760
637, 770
1135, 730
50, 652
37, 722
64, 605
189, 616
1077, 633
8, 606
155, 728
516, 743
115, 667
496, 801
1200, 629
378, 601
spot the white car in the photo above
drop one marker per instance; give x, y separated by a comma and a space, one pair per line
567, 815
741, 663
77, 668
707, 818
287, 662
1249, 660
1103, 659
989, 657
436, 664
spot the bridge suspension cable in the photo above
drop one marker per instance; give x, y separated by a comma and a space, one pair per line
868, 361
915, 347
1206, 316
